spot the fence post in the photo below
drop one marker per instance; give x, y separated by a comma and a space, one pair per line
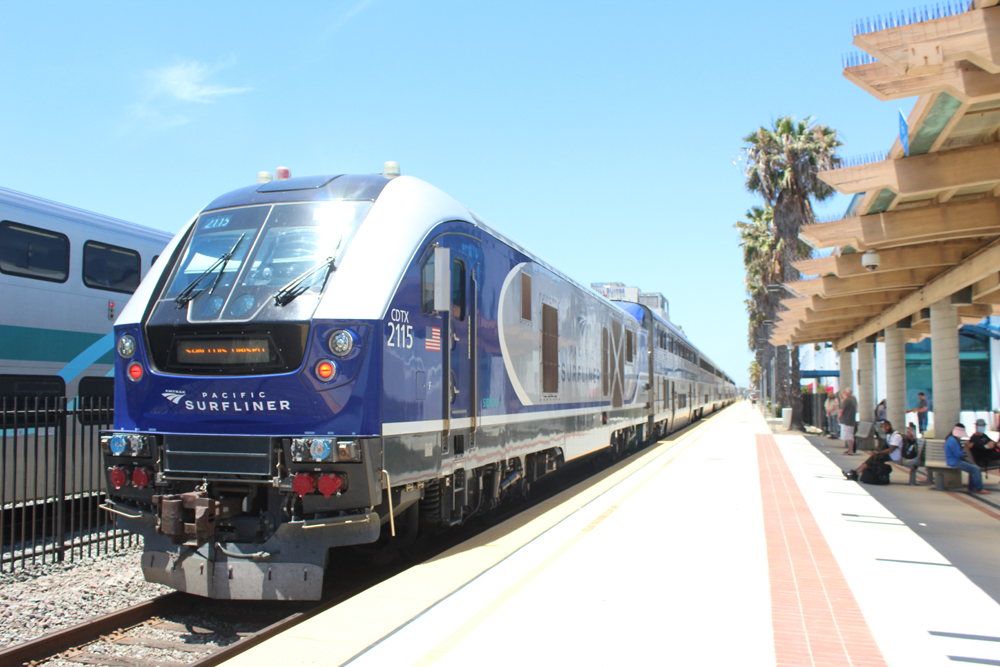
61, 426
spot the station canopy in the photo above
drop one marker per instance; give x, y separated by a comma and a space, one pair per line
931, 213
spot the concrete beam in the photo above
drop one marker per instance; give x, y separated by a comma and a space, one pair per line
866, 282
925, 174
927, 224
977, 267
893, 259
922, 48
961, 80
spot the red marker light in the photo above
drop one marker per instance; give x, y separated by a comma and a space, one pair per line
330, 484
303, 484
326, 370
281, 173
118, 477
135, 371
140, 478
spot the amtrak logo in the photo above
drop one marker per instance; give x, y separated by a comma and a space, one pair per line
174, 396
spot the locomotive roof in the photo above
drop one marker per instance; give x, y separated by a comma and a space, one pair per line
406, 209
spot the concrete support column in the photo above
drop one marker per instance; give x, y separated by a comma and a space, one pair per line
866, 381
946, 394
846, 370
895, 377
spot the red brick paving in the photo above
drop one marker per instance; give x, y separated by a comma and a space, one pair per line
815, 617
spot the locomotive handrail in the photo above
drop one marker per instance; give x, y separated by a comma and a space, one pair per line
115, 510
388, 486
335, 521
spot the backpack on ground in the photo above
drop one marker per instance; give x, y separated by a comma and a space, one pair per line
876, 473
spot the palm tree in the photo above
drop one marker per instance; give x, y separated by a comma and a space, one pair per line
782, 166
762, 253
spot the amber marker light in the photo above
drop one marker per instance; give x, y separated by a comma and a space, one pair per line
326, 370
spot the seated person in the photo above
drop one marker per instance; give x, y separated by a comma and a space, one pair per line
984, 451
953, 451
892, 451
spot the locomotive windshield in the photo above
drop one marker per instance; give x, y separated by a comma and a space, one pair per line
239, 261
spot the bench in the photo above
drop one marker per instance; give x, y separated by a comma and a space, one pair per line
863, 436
934, 462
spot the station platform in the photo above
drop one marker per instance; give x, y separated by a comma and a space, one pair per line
723, 544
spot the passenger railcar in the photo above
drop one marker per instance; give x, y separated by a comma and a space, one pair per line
322, 361
65, 275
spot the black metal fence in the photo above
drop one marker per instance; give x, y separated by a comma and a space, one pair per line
52, 482
814, 410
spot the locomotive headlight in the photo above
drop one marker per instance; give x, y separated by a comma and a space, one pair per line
312, 449
341, 342
121, 444
126, 346
117, 442
320, 448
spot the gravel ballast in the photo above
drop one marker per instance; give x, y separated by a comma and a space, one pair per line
40, 599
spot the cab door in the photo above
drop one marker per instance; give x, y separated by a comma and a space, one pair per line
461, 407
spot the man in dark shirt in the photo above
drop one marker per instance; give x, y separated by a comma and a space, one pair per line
848, 419
984, 451
922, 409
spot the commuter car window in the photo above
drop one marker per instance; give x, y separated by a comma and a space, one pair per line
32, 252
31, 400
110, 267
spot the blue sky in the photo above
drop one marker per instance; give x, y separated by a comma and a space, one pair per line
601, 135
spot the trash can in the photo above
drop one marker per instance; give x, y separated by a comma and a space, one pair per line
786, 417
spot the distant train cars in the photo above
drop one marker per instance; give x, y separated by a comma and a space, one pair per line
65, 275
331, 360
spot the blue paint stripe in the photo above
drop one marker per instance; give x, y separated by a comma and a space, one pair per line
86, 358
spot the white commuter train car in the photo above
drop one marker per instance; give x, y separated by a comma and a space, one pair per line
65, 275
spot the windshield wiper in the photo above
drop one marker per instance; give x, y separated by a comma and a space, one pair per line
297, 287
188, 293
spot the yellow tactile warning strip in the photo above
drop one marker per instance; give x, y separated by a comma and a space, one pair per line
350, 629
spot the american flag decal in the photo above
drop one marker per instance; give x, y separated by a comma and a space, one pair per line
433, 340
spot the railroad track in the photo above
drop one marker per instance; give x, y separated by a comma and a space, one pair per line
182, 630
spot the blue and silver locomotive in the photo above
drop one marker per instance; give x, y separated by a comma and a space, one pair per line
324, 361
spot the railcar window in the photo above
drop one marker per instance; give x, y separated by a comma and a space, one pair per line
95, 400
110, 267
550, 349
525, 297
628, 346
427, 285
30, 400
458, 289
33, 252
605, 361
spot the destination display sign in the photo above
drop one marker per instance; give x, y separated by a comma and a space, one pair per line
223, 351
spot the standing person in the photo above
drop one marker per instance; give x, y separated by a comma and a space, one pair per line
832, 407
922, 409
953, 451
848, 419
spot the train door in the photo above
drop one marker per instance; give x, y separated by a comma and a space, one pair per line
461, 408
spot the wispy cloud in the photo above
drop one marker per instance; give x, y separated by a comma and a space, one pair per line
187, 82
347, 16
170, 92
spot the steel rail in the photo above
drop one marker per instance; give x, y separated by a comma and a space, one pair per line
90, 630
